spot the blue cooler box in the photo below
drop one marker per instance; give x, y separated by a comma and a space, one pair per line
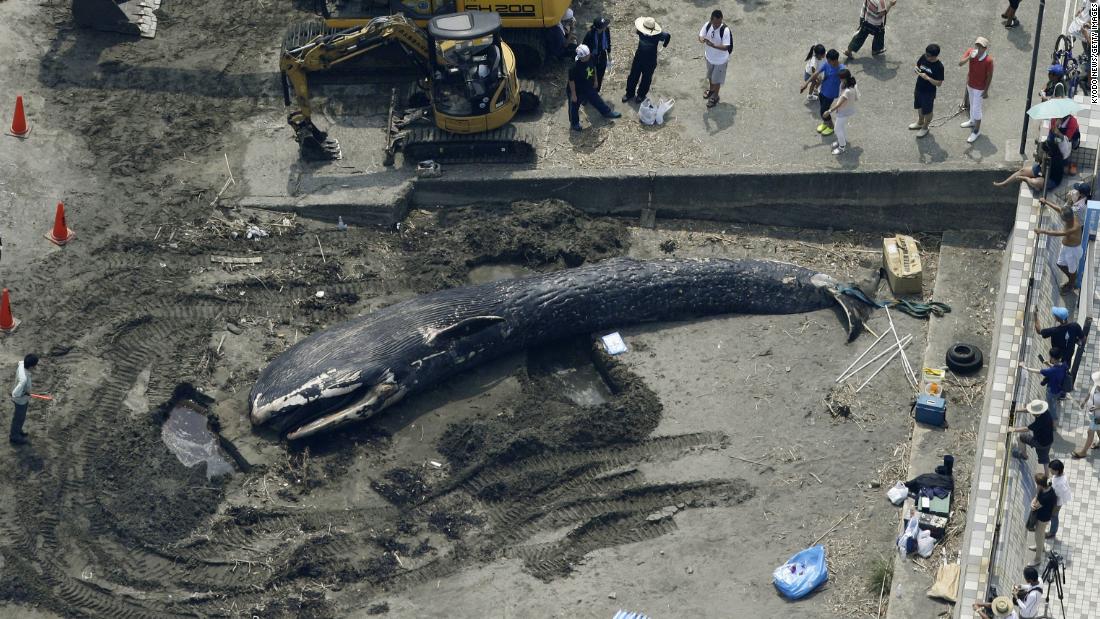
931, 410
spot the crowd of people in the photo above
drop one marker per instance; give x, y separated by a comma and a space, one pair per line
826, 78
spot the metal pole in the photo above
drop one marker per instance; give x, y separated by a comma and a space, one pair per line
858, 359
1031, 76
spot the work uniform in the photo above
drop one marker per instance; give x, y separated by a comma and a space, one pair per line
583, 78
644, 63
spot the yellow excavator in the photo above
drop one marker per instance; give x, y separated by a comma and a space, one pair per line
526, 24
469, 84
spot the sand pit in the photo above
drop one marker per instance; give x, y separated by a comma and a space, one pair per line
556, 482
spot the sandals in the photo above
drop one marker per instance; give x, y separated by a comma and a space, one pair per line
713, 101
706, 94
1078, 455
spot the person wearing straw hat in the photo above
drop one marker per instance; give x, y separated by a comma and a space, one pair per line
1001, 608
581, 89
1040, 432
650, 35
978, 78
1091, 405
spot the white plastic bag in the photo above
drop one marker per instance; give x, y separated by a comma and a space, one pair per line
662, 108
898, 493
925, 544
912, 530
652, 112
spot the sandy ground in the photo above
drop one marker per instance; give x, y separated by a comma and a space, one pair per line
548, 488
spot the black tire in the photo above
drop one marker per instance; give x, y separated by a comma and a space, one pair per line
964, 359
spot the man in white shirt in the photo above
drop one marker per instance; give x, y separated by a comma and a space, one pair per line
718, 40
1062, 489
21, 397
1024, 603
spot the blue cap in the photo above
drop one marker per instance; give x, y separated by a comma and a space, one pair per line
1060, 313
1056, 69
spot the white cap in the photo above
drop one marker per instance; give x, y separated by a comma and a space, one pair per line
582, 51
568, 15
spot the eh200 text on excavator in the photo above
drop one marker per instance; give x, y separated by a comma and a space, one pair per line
469, 79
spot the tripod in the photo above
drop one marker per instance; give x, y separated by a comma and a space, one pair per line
1054, 574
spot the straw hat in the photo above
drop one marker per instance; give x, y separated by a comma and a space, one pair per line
1037, 407
1001, 606
984, 42
647, 25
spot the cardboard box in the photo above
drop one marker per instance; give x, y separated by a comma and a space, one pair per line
901, 259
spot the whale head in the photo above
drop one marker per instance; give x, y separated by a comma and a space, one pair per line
324, 402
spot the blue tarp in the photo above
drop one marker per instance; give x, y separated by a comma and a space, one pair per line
802, 573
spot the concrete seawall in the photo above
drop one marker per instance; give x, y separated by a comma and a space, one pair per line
924, 199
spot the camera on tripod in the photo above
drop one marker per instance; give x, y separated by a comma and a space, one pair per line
1055, 574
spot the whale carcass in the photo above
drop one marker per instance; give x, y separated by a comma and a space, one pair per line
355, 369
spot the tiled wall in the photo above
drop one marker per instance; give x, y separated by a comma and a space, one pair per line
994, 549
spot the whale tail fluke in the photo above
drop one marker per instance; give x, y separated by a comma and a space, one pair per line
855, 312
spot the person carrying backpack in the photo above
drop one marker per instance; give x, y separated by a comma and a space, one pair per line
718, 40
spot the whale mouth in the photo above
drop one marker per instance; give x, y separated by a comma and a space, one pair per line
305, 411
366, 405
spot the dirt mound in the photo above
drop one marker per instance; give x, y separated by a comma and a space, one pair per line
441, 247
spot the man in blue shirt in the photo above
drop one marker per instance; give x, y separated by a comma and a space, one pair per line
1054, 376
829, 77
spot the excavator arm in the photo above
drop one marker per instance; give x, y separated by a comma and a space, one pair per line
328, 51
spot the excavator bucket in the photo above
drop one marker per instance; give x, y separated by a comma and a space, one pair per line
128, 17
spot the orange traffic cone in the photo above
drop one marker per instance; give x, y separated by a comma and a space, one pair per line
19, 126
60, 233
7, 323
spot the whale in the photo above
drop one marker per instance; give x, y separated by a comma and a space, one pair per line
353, 370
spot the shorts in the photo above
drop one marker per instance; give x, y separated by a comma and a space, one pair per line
716, 73
923, 101
1042, 452
1070, 257
1014, 4
975, 102
824, 103
1094, 424
1037, 170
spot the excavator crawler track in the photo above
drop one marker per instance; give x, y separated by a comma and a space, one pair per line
507, 144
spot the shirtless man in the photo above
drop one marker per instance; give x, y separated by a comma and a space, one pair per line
1070, 254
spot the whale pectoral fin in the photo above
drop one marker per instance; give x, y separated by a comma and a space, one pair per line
854, 312
464, 327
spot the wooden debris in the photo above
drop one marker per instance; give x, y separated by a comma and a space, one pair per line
236, 259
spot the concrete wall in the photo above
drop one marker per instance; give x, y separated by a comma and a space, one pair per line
1010, 554
925, 199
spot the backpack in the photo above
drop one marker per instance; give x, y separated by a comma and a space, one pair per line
721, 34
